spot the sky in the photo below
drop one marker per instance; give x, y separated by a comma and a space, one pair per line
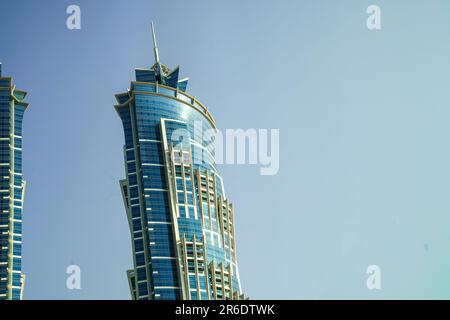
363, 115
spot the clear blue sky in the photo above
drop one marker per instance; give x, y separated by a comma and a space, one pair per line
365, 155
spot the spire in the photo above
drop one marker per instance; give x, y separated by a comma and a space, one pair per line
160, 73
155, 47
0, 69
158, 68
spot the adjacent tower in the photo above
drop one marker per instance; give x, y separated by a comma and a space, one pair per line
12, 189
181, 222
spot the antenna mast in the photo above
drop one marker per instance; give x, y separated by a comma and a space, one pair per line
155, 47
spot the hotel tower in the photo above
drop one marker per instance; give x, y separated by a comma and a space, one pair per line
181, 222
12, 189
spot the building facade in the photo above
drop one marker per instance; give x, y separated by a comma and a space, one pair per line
181, 223
12, 189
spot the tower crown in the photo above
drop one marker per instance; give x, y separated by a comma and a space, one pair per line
159, 72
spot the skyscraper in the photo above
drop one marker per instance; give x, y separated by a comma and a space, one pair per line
181, 223
12, 189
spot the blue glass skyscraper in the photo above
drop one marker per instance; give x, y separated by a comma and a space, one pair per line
12, 189
181, 223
